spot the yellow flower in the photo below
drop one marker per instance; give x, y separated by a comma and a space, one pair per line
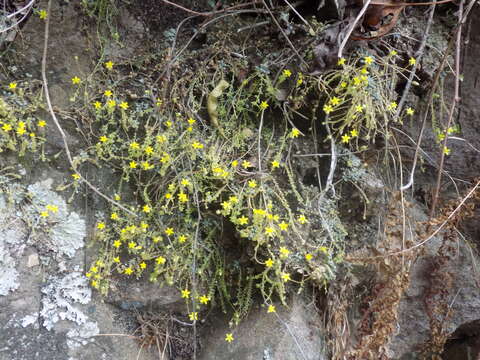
147, 166
182, 197
97, 104
117, 243
94, 269
410, 111
393, 53
160, 260
52, 208
107, 93
169, 231
42, 123
275, 164
143, 265
233, 199
109, 65
161, 138
128, 271
132, 245
287, 73
44, 214
271, 309
116, 197
327, 108
193, 316
101, 226
123, 105
168, 196
286, 277
270, 231
335, 101
343, 84
133, 164
134, 145
252, 184
116, 259
75, 176
368, 60
111, 103
234, 163
246, 164
191, 121
157, 239
7, 127
243, 220
284, 252
114, 216
302, 219
103, 138
308, 257
341, 61
197, 145
392, 106
412, 61
263, 105
283, 226
21, 131
229, 337
204, 299
446, 150
269, 263
345, 138
149, 150
359, 108
185, 294
76, 80
185, 182
94, 283
12, 85
147, 209
364, 71
42, 14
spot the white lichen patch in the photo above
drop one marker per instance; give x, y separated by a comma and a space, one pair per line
82, 335
8, 273
61, 298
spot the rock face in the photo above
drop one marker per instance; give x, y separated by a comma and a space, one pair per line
290, 333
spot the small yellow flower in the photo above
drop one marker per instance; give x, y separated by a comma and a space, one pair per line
103, 138
97, 104
143, 265
364, 71
446, 150
169, 231
133, 164
157, 239
368, 60
263, 105
132, 245
42, 14
204, 299
197, 145
134, 145
76, 80
302, 219
287, 73
412, 61
243, 220
7, 127
44, 214
393, 53
234, 163
42, 123
229, 337
185, 294
117, 243
283, 226
116, 197
111, 103
182, 197
185, 182
270, 231
114, 216
354, 133
109, 65
392, 106
246, 164
128, 271
275, 164
327, 108
271, 309
286, 277
147, 166
193, 316
147, 209
294, 133
75, 176
52, 208
123, 105
94, 269
308, 257
343, 84
12, 85
284, 252
168, 196
160, 260
94, 283
359, 108
410, 111
269, 263
341, 61
191, 121
345, 138
252, 184
335, 101
116, 259
101, 226
107, 93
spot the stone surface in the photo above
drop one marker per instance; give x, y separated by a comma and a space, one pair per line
289, 334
